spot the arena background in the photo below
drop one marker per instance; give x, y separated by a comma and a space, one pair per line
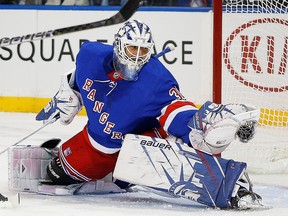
30, 72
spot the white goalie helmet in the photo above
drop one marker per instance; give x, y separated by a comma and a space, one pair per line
133, 46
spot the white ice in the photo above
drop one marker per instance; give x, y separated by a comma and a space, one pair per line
15, 126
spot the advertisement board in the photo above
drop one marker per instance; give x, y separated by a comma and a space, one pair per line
33, 69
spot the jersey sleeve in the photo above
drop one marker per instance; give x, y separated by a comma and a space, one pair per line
175, 116
174, 111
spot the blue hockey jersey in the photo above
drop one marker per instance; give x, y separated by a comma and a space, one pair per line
116, 107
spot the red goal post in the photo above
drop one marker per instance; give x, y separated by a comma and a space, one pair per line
250, 66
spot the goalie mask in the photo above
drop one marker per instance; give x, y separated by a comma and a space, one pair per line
133, 46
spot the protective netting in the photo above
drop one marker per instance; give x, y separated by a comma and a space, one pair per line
255, 52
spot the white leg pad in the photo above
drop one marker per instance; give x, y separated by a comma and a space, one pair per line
26, 167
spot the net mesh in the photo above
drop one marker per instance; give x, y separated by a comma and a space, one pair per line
255, 43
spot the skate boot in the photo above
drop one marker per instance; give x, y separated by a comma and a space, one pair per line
243, 196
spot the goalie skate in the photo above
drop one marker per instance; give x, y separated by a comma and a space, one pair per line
247, 200
243, 197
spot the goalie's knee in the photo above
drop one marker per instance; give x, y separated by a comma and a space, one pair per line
57, 174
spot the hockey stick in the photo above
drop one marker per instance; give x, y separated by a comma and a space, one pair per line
124, 14
3, 198
168, 49
29, 135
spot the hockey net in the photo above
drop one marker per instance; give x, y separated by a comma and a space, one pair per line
255, 71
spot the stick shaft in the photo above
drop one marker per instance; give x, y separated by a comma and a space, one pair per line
124, 14
29, 135
166, 50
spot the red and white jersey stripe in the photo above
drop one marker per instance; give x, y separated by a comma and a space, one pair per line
175, 117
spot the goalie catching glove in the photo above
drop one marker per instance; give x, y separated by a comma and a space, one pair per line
215, 126
67, 102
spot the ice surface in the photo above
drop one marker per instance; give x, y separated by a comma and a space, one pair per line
15, 126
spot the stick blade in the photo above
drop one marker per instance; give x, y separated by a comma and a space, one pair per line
3, 198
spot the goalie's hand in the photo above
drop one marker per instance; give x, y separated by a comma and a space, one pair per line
49, 111
215, 126
69, 103
66, 103
215, 138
